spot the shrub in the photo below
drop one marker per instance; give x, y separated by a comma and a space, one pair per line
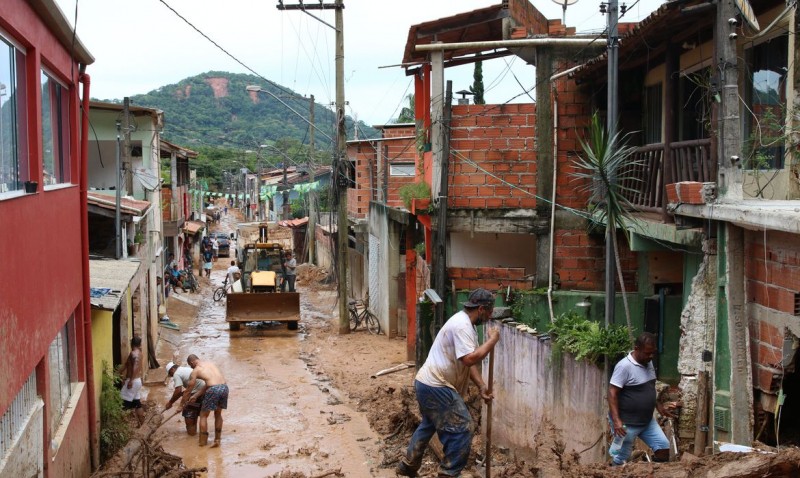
588, 340
412, 191
114, 429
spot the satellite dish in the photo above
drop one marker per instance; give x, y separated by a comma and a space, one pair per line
564, 4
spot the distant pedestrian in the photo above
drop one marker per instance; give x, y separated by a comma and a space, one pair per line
131, 372
225, 209
208, 257
215, 248
215, 396
234, 274
451, 362
191, 410
290, 274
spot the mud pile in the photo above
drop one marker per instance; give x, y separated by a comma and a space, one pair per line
311, 275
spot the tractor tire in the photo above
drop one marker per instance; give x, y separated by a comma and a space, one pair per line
235, 325
293, 325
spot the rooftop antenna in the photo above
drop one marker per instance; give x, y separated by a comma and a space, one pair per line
564, 4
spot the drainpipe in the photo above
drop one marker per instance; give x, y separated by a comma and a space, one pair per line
553, 201
87, 307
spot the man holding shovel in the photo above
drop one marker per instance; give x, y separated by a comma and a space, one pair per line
452, 360
191, 410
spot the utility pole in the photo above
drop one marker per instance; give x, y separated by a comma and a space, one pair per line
127, 164
440, 254
312, 195
285, 191
118, 198
613, 67
340, 168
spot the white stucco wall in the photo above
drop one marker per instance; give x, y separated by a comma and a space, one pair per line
486, 249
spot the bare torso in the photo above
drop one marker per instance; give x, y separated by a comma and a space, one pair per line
208, 372
133, 366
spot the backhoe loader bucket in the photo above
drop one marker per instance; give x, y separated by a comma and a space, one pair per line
257, 307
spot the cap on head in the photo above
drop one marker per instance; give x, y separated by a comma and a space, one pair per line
169, 367
479, 297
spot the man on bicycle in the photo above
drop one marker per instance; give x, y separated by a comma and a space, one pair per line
234, 273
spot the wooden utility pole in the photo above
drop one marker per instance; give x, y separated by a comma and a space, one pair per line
312, 195
127, 164
340, 161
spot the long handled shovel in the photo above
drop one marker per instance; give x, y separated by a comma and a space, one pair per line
488, 453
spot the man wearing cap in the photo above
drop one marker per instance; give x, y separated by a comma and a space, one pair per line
451, 362
180, 379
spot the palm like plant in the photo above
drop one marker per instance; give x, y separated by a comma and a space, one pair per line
604, 163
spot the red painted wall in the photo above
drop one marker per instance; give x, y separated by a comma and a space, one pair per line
41, 284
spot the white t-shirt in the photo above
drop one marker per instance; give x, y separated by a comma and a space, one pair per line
181, 379
443, 368
232, 270
214, 244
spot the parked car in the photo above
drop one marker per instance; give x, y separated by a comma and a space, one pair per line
224, 243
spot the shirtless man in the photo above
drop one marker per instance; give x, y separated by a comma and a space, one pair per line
131, 373
215, 396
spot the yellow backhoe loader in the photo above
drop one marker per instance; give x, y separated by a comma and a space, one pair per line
260, 298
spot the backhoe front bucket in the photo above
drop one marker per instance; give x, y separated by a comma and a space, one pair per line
253, 307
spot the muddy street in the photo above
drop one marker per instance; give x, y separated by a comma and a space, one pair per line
283, 415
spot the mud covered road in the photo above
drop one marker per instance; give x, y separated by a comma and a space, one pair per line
284, 418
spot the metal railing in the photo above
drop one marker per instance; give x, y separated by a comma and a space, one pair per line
654, 165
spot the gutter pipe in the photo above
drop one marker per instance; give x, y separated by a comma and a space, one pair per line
87, 307
553, 199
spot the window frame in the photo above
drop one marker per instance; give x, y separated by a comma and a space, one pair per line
59, 172
65, 374
392, 167
17, 92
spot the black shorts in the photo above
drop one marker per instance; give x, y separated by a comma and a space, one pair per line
131, 405
192, 410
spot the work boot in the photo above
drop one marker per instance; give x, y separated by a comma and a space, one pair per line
217, 438
203, 438
404, 469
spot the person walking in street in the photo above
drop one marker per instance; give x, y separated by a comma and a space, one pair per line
208, 257
180, 379
442, 381
131, 373
233, 274
290, 274
215, 396
215, 248
632, 399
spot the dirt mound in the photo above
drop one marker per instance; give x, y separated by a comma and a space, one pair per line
309, 274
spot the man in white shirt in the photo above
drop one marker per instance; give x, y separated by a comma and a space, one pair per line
234, 273
451, 362
215, 248
180, 379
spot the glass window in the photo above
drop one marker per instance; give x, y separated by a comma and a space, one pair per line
62, 367
13, 147
652, 114
765, 123
55, 131
402, 169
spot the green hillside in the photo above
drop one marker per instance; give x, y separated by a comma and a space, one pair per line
214, 109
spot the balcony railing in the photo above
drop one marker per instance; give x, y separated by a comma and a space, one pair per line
654, 165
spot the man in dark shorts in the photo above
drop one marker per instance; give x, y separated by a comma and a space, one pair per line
180, 378
215, 398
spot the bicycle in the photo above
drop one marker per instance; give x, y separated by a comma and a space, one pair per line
364, 316
222, 291
189, 281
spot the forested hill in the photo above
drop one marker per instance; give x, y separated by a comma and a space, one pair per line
214, 109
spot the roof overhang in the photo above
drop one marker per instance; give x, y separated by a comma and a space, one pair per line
57, 22
133, 207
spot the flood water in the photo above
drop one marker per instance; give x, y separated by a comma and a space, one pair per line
281, 416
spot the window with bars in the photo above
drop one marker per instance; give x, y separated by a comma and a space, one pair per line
62, 369
14, 420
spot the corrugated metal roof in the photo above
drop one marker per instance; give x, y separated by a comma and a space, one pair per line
127, 205
193, 227
113, 275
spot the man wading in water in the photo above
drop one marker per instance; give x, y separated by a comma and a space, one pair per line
215, 396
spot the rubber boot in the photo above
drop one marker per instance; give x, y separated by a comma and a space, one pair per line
217, 438
203, 438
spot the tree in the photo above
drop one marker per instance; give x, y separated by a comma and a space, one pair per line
407, 113
604, 161
477, 85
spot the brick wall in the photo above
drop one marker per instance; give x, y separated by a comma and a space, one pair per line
493, 158
366, 154
579, 261
363, 154
574, 115
772, 280
527, 17
490, 278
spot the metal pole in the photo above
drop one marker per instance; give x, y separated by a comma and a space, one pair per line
312, 195
613, 61
286, 208
126, 147
341, 175
117, 212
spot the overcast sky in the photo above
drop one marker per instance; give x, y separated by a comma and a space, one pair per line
140, 45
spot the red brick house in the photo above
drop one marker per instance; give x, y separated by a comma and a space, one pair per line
49, 421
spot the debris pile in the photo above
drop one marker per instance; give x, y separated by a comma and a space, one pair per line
309, 274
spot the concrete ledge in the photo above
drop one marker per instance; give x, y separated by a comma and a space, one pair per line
752, 214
